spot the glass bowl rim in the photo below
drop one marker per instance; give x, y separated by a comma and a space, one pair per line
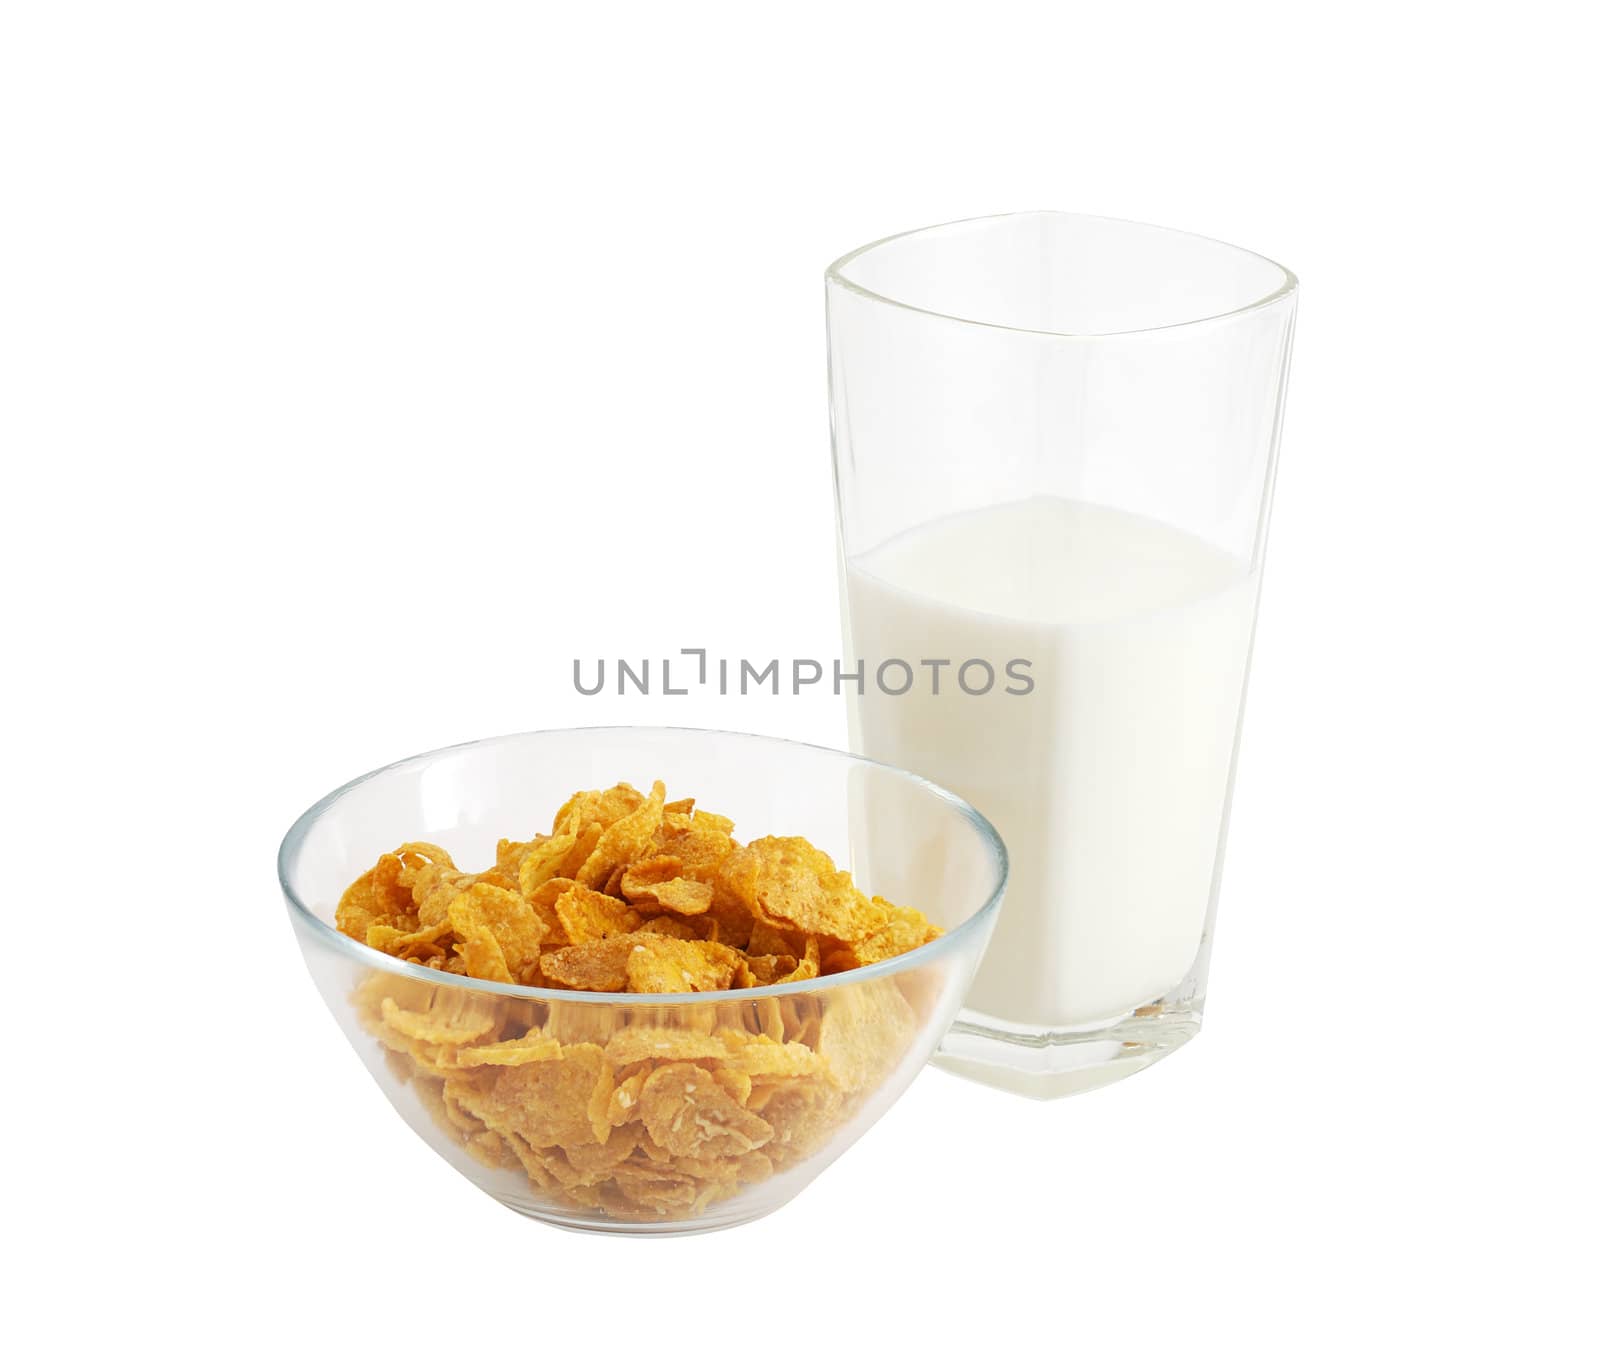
343, 944
1286, 288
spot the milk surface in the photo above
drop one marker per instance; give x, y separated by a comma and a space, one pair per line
1109, 781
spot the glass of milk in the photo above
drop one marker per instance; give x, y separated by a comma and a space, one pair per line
1054, 441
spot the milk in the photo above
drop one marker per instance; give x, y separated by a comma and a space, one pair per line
1109, 781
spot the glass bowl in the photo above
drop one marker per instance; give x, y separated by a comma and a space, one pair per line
633, 1113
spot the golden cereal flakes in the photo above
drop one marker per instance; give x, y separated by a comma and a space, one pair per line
635, 1111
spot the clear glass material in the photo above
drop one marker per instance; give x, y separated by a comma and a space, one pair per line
574, 1123
1054, 442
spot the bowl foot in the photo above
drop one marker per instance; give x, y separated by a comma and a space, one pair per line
581, 1221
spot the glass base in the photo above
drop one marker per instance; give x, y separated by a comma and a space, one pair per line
1040, 1062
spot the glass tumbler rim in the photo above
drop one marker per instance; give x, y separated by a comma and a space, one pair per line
345, 946
1286, 288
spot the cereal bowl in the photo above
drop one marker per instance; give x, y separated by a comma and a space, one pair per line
618, 1111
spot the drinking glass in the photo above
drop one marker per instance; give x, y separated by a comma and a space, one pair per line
1054, 441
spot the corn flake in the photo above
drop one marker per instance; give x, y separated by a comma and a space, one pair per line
663, 966
585, 915
499, 933
690, 1115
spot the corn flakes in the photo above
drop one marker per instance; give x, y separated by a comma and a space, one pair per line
646, 1111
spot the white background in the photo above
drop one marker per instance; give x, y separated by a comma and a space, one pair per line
363, 364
